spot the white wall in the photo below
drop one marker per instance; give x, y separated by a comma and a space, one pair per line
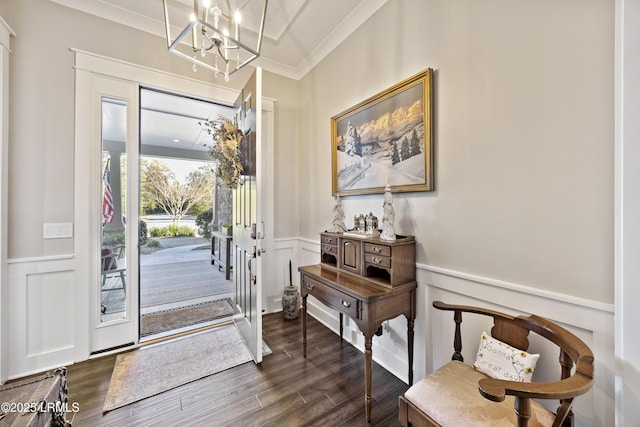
46, 281
42, 106
523, 135
522, 216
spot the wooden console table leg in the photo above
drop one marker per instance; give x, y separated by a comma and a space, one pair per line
304, 326
367, 377
341, 327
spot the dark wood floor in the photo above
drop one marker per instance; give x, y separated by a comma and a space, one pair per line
325, 389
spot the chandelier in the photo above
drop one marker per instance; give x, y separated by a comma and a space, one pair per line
210, 37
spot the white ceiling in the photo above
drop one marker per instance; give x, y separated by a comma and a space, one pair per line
298, 33
169, 124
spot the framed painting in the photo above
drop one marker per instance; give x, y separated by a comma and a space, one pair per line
386, 138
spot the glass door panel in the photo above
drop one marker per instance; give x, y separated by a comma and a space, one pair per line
113, 253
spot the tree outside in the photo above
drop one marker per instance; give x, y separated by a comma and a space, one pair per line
161, 191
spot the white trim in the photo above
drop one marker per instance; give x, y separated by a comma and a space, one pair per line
555, 296
57, 350
627, 209
5, 34
48, 258
465, 280
92, 72
590, 320
146, 76
5, 38
359, 15
349, 24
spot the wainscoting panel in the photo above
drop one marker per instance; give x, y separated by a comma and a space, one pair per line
277, 272
592, 321
43, 309
49, 321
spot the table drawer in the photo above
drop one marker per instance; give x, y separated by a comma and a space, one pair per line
377, 249
326, 239
330, 249
377, 260
331, 297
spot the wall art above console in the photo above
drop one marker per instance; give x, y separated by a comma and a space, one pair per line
389, 135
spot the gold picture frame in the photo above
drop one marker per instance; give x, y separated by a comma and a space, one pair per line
385, 138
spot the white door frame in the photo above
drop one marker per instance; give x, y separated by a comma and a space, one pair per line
88, 173
627, 210
5, 36
90, 69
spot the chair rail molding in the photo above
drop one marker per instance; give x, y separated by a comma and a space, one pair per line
592, 321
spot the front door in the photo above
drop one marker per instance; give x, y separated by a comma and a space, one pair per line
247, 230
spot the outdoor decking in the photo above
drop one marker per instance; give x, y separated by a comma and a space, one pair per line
177, 275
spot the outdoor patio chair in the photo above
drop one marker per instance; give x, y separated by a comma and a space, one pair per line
111, 270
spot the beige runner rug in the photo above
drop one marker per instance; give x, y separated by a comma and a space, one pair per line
156, 368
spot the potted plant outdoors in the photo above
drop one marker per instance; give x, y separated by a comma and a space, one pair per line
229, 146
227, 229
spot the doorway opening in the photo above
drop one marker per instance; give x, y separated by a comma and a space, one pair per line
181, 206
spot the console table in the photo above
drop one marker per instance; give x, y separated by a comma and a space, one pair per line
221, 252
368, 279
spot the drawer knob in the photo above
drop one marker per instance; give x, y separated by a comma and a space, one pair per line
310, 286
346, 304
377, 260
327, 240
377, 249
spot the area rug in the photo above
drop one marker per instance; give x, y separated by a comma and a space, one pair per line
156, 368
167, 320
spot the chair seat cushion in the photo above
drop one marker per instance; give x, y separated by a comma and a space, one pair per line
450, 396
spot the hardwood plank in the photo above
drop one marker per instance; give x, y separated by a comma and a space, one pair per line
286, 389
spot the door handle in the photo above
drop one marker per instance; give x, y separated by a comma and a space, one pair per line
250, 257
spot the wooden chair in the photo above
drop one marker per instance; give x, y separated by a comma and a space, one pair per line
458, 395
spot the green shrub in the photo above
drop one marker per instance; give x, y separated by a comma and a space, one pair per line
172, 231
203, 221
153, 243
113, 239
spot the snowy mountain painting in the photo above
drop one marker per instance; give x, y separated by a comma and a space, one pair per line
385, 140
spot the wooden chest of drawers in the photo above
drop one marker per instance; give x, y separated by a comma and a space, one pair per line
388, 263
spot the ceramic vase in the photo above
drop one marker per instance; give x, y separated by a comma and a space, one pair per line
291, 302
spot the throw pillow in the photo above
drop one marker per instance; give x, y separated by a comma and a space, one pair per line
501, 361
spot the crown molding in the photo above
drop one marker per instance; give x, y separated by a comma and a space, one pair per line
364, 10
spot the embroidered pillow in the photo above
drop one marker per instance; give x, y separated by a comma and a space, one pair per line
501, 361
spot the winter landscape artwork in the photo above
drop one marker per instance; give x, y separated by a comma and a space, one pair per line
386, 137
